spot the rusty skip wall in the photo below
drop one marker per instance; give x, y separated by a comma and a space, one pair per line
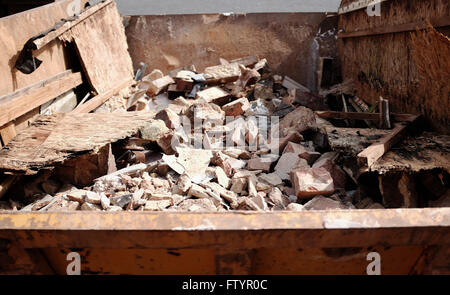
385, 64
286, 40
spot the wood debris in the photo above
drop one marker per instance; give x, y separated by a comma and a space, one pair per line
234, 137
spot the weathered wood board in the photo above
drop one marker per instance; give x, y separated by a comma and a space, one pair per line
102, 46
414, 154
25, 100
53, 139
15, 30
414, 74
352, 141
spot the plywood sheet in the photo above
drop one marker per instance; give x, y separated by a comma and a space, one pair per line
101, 43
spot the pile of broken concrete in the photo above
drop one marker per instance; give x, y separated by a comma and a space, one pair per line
234, 137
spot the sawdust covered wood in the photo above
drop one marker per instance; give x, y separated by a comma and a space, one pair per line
53, 139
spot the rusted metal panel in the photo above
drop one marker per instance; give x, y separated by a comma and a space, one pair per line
235, 230
207, 261
286, 40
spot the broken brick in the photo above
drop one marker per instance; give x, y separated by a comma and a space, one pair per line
327, 161
311, 182
222, 73
159, 85
257, 163
272, 179
238, 185
92, 197
277, 198
237, 107
301, 119
286, 164
214, 95
170, 118
246, 76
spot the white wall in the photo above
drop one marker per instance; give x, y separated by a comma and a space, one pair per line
151, 7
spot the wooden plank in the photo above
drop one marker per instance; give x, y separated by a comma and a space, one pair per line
103, 49
26, 90
371, 154
16, 29
53, 139
436, 22
98, 100
41, 42
427, 151
357, 5
16, 105
8, 132
362, 116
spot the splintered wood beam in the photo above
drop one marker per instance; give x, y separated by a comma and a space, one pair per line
363, 116
375, 151
26, 99
98, 100
58, 31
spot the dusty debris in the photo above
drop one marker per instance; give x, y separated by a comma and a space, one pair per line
235, 137
323, 203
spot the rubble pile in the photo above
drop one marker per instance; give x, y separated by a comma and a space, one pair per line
235, 137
